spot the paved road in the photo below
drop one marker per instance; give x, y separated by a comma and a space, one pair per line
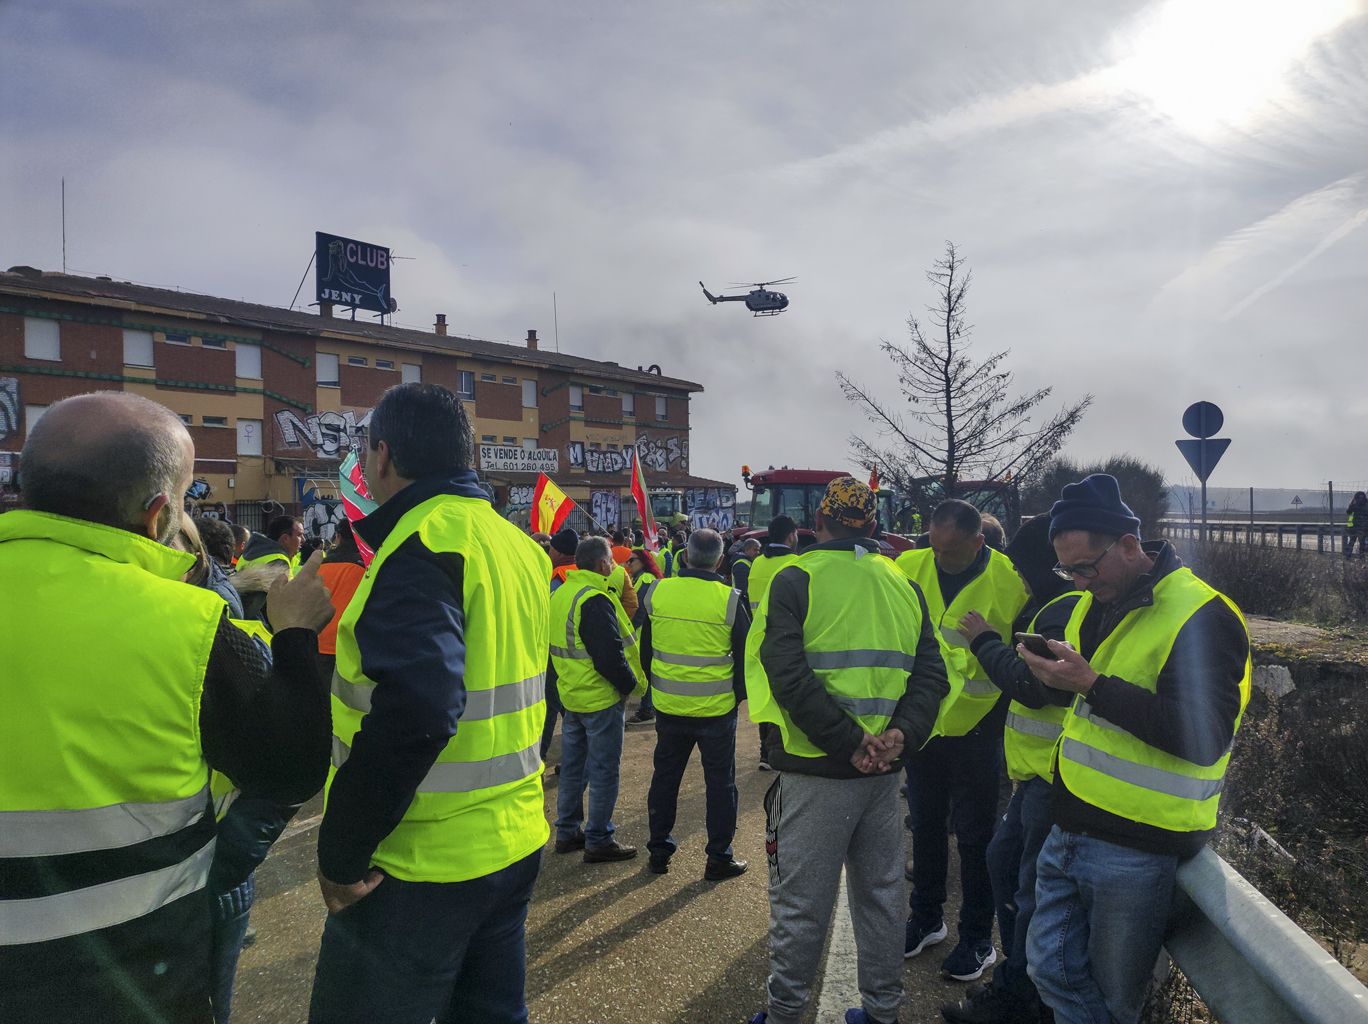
607, 943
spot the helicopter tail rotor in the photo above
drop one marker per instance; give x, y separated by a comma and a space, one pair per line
710, 296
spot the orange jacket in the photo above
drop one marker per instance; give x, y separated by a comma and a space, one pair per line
341, 579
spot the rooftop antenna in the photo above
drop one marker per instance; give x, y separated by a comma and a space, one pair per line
555, 317
64, 226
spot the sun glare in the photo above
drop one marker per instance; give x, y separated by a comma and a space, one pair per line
1208, 64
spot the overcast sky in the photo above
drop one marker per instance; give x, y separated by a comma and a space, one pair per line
1160, 202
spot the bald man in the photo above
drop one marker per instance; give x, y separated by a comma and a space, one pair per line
122, 687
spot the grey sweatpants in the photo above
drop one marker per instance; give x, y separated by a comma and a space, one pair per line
815, 826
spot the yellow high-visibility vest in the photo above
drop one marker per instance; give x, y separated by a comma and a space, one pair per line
578, 683
691, 651
1031, 734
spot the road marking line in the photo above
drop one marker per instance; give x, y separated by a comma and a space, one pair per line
840, 973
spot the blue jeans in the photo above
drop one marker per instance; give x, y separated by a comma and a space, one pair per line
414, 951
1012, 859
676, 738
954, 776
230, 915
553, 711
591, 751
1098, 927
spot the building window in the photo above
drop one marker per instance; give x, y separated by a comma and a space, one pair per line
628, 405
413, 373
576, 398
187, 418
213, 342
529, 394
32, 414
595, 445
248, 361
384, 364
216, 421
42, 340
137, 348
612, 447
489, 378
465, 385
530, 444
610, 392
249, 437
594, 389
660, 408
487, 438
176, 337
326, 366
510, 380
510, 441
357, 361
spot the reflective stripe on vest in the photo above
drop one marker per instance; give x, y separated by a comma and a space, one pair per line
857, 600
480, 806
997, 594
1101, 762
466, 776
578, 683
112, 773
691, 646
1031, 734
79, 911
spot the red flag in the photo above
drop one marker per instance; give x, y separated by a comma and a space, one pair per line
643, 501
550, 506
874, 478
356, 499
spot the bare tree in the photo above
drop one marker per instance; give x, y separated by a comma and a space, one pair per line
962, 422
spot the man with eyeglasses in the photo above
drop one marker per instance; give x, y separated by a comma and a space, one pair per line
1160, 664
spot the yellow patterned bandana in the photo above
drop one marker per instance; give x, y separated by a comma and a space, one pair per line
849, 502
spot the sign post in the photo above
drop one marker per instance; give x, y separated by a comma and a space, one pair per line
1202, 420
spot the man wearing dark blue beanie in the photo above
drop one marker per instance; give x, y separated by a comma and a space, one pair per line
1160, 665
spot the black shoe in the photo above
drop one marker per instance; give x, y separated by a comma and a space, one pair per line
642, 716
659, 865
721, 870
570, 845
984, 1004
612, 852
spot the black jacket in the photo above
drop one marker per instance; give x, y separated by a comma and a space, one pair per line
1009, 673
799, 692
1191, 713
739, 632
411, 638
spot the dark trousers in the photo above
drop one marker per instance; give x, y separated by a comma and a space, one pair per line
414, 951
676, 738
1012, 857
553, 711
954, 780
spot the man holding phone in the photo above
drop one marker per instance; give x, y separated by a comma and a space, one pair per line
1160, 664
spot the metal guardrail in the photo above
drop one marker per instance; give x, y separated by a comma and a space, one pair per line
1320, 537
1247, 960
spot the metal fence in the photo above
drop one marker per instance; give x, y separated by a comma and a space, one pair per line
1323, 538
1247, 960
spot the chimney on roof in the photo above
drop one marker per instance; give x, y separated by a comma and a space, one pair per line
325, 310
440, 325
532, 340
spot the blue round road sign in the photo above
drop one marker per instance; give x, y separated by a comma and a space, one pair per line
1203, 419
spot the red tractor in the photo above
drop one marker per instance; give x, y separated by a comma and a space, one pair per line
796, 493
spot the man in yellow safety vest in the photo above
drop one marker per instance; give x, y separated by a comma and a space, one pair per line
1160, 666
843, 659
432, 836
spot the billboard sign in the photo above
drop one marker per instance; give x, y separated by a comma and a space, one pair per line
506, 459
352, 273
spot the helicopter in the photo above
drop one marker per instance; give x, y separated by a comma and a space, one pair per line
761, 301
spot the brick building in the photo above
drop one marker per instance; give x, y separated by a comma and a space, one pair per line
272, 397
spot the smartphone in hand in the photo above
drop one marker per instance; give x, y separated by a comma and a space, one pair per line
1036, 644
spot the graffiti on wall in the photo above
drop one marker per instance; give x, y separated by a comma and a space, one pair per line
520, 498
606, 507
711, 508
327, 434
6, 470
321, 515
659, 456
211, 510
9, 406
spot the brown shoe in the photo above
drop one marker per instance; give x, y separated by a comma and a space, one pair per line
612, 852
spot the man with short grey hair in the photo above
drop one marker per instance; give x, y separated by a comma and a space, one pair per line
123, 686
693, 645
595, 667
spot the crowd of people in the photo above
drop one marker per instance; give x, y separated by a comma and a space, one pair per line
177, 689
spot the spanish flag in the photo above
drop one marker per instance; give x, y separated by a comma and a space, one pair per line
874, 478
550, 506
